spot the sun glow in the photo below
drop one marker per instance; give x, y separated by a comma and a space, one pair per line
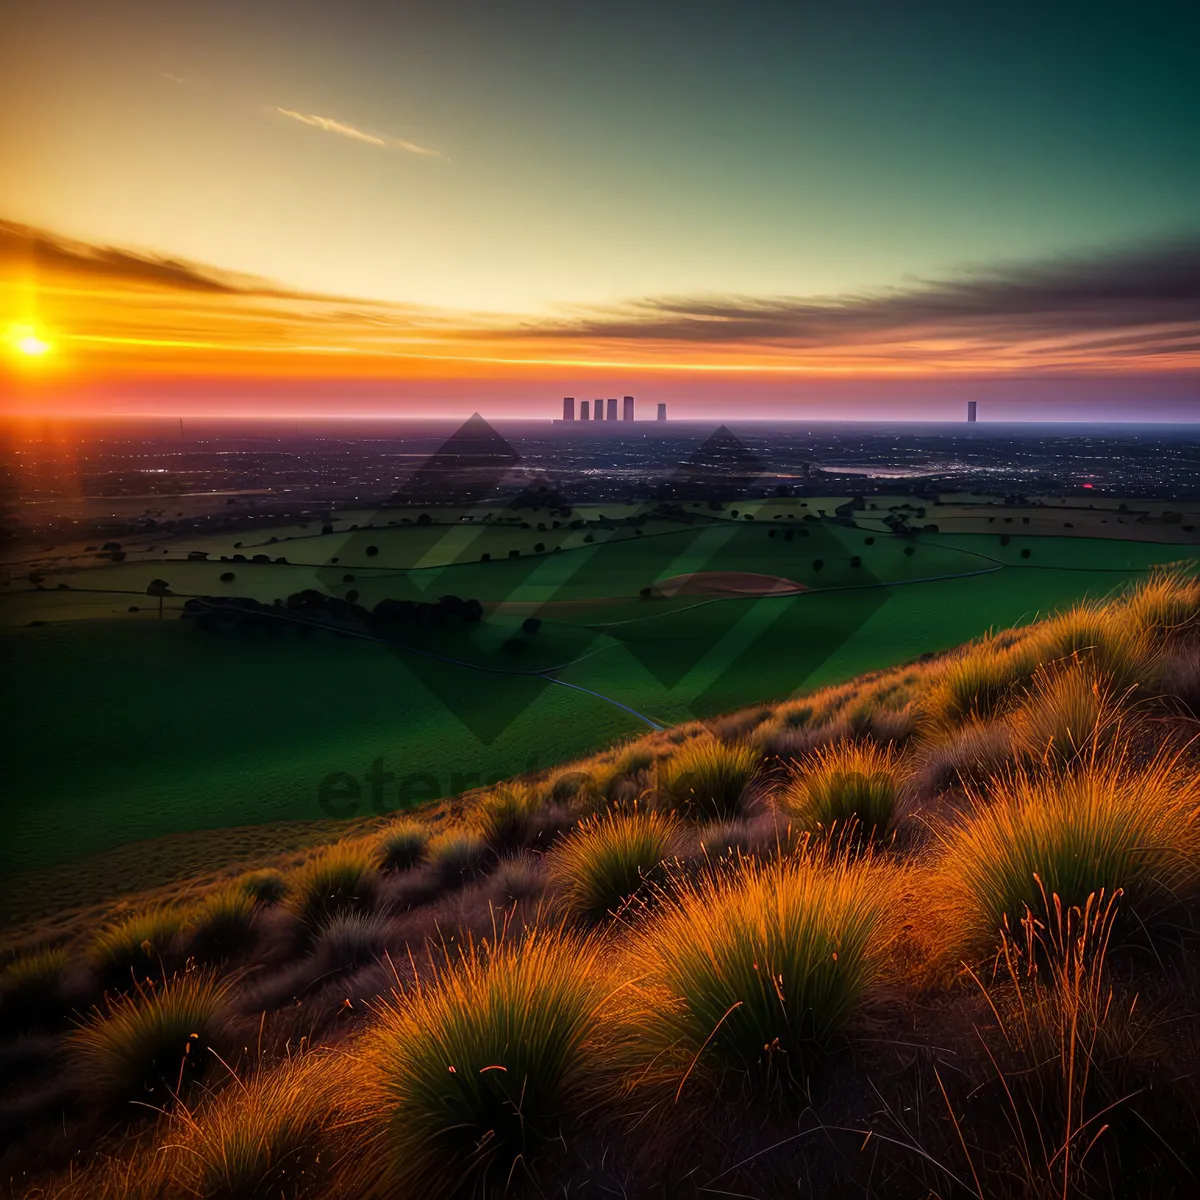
25, 340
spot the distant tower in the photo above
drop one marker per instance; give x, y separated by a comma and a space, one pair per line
584, 410
568, 408
972, 406
628, 414
662, 412
597, 410
611, 415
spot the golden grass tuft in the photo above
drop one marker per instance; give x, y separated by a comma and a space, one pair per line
977, 684
1106, 826
266, 887
1070, 713
758, 969
1166, 605
274, 1136
403, 844
609, 860
507, 815
340, 878
707, 778
1119, 656
222, 923
147, 1045
472, 1073
138, 947
457, 854
849, 786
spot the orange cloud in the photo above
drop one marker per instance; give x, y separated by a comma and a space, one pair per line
113, 315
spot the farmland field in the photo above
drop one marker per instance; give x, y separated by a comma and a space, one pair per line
259, 723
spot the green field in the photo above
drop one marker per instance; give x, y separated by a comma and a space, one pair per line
133, 728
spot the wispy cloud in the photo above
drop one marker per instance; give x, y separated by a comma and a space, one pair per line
171, 78
329, 125
1141, 300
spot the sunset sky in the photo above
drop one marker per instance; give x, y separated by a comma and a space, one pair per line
852, 209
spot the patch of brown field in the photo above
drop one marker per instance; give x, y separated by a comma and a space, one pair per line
726, 583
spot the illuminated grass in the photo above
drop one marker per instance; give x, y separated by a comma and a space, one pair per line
139, 947
706, 778
273, 1136
471, 1074
1070, 713
1165, 606
507, 815
759, 969
850, 785
402, 845
610, 859
340, 878
1119, 656
222, 923
1105, 827
265, 887
148, 1044
979, 683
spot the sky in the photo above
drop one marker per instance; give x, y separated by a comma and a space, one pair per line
860, 209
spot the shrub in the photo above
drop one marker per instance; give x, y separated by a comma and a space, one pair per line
31, 986
150, 1043
222, 923
1106, 827
760, 968
853, 784
264, 887
471, 1074
609, 860
338, 879
707, 778
139, 947
402, 845
507, 815
272, 1136
457, 854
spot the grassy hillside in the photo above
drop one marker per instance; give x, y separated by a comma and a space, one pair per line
139, 728
929, 932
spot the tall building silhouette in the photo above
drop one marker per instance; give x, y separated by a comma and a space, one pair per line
597, 410
584, 410
628, 413
611, 415
662, 412
972, 408
568, 408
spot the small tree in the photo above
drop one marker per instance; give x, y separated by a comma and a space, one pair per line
159, 588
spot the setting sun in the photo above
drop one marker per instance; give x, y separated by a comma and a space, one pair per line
25, 341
